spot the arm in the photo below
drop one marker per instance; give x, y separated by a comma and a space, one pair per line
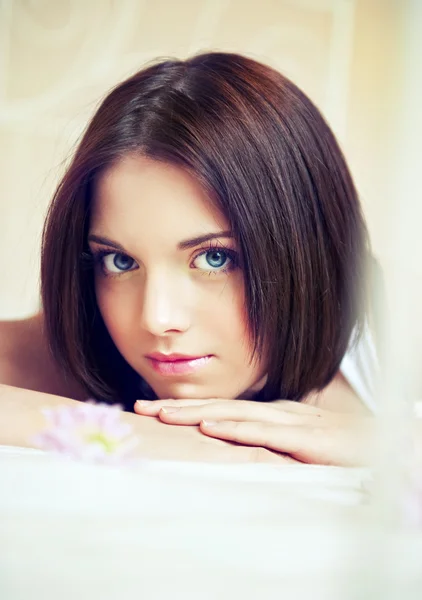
26, 361
21, 416
30, 380
307, 433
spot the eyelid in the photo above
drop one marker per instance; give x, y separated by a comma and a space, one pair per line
213, 244
214, 248
105, 250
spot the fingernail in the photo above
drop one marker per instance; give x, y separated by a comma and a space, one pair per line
208, 423
145, 405
169, 409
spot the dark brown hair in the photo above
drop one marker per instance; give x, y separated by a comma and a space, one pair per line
272, 165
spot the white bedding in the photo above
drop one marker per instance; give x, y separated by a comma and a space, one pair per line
189, 530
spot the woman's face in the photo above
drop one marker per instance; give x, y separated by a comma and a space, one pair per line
162, 289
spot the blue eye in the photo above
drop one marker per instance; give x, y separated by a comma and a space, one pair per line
116, 262
215, 260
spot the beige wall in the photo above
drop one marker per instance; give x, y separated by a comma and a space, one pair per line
58, 58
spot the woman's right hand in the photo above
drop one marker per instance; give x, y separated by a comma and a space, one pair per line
161, 441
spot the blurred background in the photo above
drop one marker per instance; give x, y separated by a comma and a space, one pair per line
359, 60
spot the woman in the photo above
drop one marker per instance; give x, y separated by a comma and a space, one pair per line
206, 242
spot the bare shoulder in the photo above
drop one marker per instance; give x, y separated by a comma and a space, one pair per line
338, 396
26, 362
12, 342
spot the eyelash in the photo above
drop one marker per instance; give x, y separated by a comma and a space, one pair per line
95, 258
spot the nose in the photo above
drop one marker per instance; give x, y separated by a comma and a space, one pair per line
164, 304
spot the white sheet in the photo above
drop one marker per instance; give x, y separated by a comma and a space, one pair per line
189, 530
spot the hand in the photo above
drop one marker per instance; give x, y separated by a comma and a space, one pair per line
307, 433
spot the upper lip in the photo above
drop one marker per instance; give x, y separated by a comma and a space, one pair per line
172, 357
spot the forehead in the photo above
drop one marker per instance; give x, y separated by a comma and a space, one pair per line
139, 191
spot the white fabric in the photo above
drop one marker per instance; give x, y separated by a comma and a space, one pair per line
183, 531
200, 531
360, 365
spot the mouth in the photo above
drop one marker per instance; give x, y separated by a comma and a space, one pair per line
178, 366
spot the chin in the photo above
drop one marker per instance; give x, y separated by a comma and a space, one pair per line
188, 391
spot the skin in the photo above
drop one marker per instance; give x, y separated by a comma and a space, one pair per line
160, 298
157, 297
26, 363
154, 296
308, 433
31, 380
22, 418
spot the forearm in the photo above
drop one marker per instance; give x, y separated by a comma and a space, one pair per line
21, 414
21, 418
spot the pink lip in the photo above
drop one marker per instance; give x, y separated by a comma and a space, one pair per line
172, 357
178, 366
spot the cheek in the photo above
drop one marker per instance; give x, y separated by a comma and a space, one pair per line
236, 332
114, 309
230, 316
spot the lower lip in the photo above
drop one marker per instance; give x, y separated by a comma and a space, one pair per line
179, 367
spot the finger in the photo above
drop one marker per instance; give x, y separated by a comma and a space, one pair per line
303, 443
239, 410
152, 407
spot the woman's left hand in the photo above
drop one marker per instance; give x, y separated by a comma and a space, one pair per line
307, 433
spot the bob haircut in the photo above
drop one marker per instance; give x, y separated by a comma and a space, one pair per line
271, 164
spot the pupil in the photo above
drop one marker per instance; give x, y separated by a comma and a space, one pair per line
122, 262
218, 257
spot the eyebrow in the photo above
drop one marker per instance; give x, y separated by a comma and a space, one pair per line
184, 245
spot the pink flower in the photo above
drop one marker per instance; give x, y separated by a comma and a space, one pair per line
88, 431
